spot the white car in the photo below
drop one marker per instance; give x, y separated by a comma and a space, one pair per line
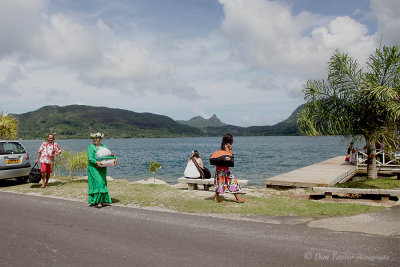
14, 161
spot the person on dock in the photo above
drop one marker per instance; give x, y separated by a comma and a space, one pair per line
97, 174
224, 180
351, 153
46, 154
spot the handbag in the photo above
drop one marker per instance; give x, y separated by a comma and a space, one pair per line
222, 158
34, 175
207, 173
204, 172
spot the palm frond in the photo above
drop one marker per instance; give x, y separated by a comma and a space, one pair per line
8, 127
385, 66
345, 75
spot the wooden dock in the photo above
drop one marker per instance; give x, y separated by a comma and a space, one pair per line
325, 173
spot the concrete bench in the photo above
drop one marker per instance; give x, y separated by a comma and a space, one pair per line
329, 191
193, 183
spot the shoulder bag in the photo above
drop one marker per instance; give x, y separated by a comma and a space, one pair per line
204, 172
34, 175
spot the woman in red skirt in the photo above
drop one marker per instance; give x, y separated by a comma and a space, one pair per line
224, 179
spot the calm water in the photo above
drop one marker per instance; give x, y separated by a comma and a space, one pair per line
256, 158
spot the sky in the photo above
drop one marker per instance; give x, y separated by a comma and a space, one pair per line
244, 60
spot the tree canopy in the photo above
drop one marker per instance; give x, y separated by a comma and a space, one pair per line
353, 102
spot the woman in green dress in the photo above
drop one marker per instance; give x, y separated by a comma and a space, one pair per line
97, 174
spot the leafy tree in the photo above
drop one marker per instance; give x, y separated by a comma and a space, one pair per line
354, 103
8, 126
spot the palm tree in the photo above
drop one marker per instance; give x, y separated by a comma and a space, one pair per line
357, 104
8, 126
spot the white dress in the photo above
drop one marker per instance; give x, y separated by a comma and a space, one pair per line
191, 170
353, 158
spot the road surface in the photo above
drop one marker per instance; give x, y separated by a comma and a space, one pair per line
41, 231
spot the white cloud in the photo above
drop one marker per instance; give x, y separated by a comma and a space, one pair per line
126, 63
388, 15
67, 43
94, 53
20, 21
294, 88
267, 35
134, 71
53, 95
255, 62
263, 82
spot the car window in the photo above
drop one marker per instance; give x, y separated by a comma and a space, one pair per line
11, 148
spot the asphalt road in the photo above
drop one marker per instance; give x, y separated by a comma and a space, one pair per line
41, 231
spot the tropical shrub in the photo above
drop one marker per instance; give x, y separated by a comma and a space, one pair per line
154, 165
71, 162
8, 126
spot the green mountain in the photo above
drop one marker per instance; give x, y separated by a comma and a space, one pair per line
78, 121
200, 122
286, 127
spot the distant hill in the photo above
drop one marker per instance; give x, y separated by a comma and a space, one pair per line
200, 122
78, 121
286, 127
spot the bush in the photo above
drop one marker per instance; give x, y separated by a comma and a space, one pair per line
71, 162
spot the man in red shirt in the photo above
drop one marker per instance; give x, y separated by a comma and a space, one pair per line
47, 151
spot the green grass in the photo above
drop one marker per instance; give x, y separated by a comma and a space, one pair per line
380, 183
273, 206
164, 196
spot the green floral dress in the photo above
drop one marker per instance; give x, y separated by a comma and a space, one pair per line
97, 181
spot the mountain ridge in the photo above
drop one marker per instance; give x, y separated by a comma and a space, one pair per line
285, 127
200, 122
78, 121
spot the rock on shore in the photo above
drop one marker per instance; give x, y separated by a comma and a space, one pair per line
150, 181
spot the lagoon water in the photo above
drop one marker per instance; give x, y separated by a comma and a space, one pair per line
256, 158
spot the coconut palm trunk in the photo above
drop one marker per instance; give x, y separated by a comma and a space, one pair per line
372, 172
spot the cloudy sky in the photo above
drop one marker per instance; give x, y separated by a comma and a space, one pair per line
244, 60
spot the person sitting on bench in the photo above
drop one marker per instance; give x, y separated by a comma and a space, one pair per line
191, 171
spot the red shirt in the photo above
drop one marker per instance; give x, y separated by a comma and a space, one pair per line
47, 152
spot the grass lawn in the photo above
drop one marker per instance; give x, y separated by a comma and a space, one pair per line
165, 196
383, 182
